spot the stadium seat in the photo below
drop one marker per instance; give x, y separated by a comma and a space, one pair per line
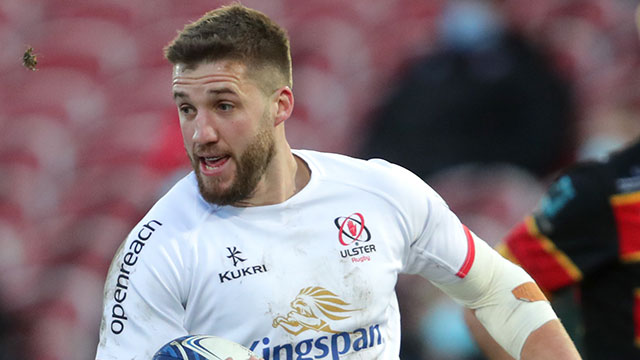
151, 38
13, 47
71, 96
146, 89
21, 14
108, 44
129, 14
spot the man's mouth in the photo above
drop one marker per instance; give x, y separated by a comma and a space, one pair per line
213, 163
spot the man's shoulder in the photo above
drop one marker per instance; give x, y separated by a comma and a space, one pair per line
167, 223
375, 176
179, 208
338, 166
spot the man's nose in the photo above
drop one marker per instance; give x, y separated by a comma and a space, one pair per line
205, 129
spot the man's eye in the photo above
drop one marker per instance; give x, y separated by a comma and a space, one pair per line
186, 110
225, 106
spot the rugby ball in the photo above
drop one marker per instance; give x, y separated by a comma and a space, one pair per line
203, 347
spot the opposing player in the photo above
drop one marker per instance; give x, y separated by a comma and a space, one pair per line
293, 253
586, 232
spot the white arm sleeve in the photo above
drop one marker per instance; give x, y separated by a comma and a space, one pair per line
142, 303
488, 288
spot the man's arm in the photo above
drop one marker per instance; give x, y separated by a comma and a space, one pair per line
142, 309
489, 347
550, 341
547, 342
511, 307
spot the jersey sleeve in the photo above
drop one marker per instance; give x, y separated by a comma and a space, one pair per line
143, 305
571, 234
440, 247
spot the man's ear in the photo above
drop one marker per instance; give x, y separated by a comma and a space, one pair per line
284, 102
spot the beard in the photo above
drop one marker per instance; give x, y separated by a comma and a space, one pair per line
250, 167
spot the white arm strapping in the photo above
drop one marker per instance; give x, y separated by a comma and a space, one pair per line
487, 288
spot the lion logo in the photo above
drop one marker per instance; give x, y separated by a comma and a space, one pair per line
312, 309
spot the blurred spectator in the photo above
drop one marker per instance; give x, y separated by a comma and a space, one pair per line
486, 95
609, 127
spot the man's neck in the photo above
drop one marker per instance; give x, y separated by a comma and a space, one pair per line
286, 176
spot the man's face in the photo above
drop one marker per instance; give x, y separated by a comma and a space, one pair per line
227, 129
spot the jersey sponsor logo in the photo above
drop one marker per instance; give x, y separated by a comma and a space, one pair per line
353, 232
313, 309
629, 184
322, 347
559, 194
234, 255
234, 274
129, 260
316, 309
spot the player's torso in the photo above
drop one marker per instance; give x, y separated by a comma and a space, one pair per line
311, 278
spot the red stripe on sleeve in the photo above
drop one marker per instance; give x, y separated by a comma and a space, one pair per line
471, 254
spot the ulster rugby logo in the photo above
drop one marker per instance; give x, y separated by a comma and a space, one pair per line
313, 309
352, 231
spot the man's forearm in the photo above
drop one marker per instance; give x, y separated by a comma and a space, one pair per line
489, 347
550, 341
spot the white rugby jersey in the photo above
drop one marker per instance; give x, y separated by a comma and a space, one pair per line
310, 278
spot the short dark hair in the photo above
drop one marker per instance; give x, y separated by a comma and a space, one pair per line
234, 32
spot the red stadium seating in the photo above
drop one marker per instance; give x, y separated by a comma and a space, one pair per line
90, 140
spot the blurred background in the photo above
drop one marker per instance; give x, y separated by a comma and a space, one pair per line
485, 100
